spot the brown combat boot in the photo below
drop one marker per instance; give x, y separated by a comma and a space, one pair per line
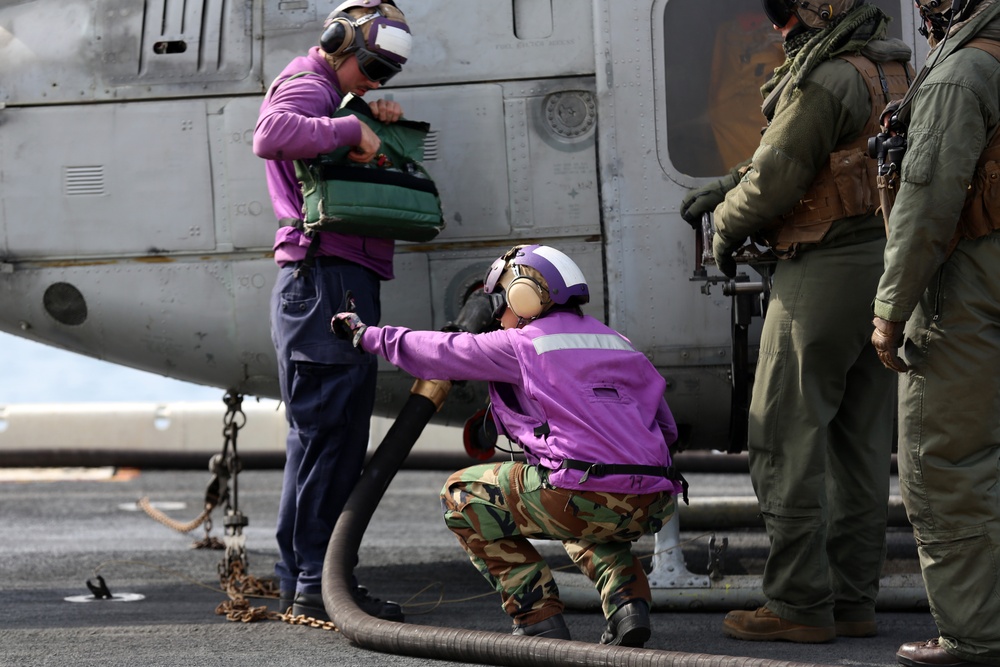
764, 625
929, 654
856, 628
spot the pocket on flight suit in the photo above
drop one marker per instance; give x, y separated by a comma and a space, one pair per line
921, 156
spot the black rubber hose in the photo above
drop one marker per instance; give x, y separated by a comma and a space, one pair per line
449, 643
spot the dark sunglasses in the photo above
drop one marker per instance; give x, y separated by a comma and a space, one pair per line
375, 67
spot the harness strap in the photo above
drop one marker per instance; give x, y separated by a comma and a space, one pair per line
309, 261
979, 214
297, 223
992, 150
604, 469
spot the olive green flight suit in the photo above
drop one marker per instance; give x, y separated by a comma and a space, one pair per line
820, 432
949, 400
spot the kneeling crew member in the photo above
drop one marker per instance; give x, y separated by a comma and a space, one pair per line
587, 409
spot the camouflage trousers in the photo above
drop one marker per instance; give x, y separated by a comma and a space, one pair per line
494, 509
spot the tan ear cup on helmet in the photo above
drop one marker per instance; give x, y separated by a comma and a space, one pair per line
819, 14
338, 36
525, 297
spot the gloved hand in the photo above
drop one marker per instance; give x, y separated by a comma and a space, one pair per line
703, 200
887, 338
700, 201
348, 326
886, 117
723, 251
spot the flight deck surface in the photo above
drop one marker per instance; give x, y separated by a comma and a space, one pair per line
61, 533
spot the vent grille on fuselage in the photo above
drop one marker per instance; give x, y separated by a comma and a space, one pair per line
431, 146
83, 180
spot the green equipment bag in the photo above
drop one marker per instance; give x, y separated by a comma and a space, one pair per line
390, 197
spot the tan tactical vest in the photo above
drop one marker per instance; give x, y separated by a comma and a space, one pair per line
981, 214
846, 186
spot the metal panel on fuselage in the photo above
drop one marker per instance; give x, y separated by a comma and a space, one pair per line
458, 42
81, 51
106, 180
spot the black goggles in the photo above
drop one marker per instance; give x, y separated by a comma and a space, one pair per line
375, 67
498, 303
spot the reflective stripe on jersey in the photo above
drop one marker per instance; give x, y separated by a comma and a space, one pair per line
581, 341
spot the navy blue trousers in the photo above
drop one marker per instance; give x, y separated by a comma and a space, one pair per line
328, 388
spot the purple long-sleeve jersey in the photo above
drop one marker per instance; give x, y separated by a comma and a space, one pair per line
563, 387
295, 123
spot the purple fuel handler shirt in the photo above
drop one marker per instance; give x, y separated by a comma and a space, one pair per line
601, 400
295, 123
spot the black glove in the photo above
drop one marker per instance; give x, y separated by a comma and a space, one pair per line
701, 201
886, 119
723, 251
704, 199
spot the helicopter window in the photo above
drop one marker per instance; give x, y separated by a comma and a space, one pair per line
715, 63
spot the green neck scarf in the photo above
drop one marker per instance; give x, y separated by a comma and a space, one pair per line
848, 35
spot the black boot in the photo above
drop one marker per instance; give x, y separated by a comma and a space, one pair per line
311, 605
285, 600
387, 611
554, 627
629, 626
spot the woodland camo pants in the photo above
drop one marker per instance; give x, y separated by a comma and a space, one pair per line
494, 509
